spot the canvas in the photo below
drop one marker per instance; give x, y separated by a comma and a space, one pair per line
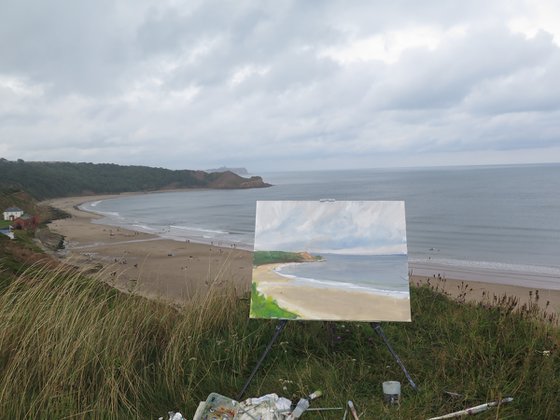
330, 260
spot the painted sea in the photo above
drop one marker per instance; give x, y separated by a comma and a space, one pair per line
380, 274
497, 223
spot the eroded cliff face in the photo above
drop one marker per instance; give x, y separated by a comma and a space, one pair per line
229, 180
307, 257
255, 182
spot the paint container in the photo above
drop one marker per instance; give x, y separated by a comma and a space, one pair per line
392, 392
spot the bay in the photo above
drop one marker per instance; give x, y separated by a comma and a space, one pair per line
486, 219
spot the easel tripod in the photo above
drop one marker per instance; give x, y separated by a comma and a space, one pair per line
280, 327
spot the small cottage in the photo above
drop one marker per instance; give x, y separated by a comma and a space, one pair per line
12, 213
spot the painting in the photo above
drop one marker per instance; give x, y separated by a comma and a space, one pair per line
330, 260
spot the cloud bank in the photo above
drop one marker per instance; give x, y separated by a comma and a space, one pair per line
280, 85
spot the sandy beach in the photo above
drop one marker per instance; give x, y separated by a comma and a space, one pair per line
144, 263
176, 271
329, 303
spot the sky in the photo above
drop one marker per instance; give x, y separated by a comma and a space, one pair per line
340, 227
280, 85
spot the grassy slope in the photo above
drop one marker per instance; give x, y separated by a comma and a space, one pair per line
10, 197
71, 345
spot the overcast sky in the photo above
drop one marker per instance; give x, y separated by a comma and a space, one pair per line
274, 85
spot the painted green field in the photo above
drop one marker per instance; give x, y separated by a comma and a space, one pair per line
272, 257
266, 307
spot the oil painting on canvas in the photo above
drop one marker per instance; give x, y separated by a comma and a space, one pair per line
330, 260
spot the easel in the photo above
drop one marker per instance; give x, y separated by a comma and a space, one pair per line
280, 327
282, 324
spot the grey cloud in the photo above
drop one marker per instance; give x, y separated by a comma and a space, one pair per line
115, 83
444, 77
67, 46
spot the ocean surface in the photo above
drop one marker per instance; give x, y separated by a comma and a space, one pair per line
491, 223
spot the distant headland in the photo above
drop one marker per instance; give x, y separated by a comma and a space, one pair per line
44, 180
238, 171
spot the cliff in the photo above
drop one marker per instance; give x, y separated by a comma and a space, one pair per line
229, 180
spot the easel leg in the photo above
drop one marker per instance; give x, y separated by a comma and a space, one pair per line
279, 327
377, 327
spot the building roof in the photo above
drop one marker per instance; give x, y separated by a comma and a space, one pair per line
12, 209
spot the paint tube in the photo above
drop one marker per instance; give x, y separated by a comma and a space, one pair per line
353, 410
303, 404
473, 410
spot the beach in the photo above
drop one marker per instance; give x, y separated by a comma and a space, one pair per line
144, 263
477, 291
176, 271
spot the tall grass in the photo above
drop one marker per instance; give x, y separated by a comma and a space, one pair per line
73, 347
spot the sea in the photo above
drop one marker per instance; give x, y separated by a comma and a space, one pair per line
489, 223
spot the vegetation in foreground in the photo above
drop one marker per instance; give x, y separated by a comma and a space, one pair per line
72, 346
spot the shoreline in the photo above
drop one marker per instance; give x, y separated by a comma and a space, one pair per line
168, 232
192, 267
485, 273
336, 285
145, 263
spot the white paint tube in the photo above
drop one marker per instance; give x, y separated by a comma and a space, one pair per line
473, 410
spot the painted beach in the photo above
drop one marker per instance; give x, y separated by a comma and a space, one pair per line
338, 287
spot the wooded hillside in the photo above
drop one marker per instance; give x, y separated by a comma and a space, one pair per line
61, 179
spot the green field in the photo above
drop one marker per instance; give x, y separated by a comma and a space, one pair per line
73, 347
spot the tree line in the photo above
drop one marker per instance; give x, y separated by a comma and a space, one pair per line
45, 180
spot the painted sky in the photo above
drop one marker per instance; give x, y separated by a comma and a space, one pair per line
280, 85
340, 227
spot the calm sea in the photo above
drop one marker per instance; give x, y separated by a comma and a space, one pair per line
497, 223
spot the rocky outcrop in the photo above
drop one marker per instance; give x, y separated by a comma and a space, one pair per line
238, 171
229, 180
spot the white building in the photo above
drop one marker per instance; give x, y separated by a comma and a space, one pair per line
12, 213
